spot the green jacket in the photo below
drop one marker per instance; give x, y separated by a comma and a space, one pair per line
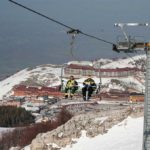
71, 83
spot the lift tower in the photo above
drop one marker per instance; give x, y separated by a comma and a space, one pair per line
131, 46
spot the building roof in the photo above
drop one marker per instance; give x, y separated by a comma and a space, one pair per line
74, 66
36, 89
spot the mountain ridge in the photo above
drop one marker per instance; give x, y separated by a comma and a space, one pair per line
50, 75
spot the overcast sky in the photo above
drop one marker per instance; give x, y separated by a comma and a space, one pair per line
28, 40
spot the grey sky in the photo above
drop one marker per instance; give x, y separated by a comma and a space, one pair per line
28, 40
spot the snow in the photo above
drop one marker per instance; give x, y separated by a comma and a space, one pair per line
26, 148
86, 63
126, 135
5, 130
30, 108
49, 75
7, 84
129, 81
122, 63
100, 120
41, 72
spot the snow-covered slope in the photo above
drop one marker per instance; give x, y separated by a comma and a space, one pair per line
127, 135
49, 75
7, 84
136, 61
123, 83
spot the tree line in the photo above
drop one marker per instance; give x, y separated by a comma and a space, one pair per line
11, 116
23, 136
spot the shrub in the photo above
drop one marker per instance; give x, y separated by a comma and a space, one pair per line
11, 116
24, 135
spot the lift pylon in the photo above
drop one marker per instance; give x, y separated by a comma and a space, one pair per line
130, 47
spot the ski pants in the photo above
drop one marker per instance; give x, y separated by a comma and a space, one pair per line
84, 89
72, 90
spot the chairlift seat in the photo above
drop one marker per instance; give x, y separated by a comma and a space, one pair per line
130, 47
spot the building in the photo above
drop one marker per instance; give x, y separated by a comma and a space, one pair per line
22, 90
11, 103
79, 71
136, 97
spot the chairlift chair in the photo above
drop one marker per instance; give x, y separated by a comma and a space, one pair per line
129, 44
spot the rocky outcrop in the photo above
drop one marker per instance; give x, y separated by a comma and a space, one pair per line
94, 123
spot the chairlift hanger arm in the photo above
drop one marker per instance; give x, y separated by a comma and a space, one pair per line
131, 24
122, 25
130, 46
71, 31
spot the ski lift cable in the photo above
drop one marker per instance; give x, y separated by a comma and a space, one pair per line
40, 14
100, 39
72, 30
131, 59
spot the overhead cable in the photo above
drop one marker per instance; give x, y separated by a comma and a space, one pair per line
62, 24
132, 59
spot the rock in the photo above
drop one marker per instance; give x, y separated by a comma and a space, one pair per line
93, 123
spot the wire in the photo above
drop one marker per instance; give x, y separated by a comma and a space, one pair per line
132, 59
62, 24
40, 14
94, 37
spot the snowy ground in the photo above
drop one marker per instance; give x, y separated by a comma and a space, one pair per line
121, 63
41, 71
127, 135
4, 130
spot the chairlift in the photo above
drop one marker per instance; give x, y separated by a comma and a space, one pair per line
129, 44
73, 33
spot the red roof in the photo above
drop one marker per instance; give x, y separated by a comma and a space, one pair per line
34, 89
118, 69
74, 66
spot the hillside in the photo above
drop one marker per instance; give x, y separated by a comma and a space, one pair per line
127, 135
107, 130
136, 61
49, 75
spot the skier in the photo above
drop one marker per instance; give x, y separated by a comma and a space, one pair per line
89, 86
71, 85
